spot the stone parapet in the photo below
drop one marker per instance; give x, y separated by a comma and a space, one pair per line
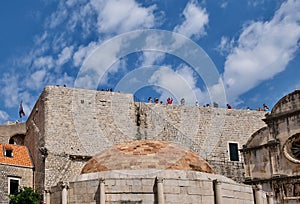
155, 186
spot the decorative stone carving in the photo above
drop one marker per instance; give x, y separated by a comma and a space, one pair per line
292, 148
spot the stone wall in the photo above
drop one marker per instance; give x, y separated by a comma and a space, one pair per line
272, 156
77, 122
206, 130
10, 130
141, 187
35, 141
231, 169
24, 174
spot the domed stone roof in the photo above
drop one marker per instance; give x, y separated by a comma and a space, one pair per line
135, 155
288, 103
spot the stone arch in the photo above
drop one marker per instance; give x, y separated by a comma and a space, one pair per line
17, 139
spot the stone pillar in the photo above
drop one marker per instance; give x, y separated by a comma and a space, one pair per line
258, 194
64, 193
270, 198
160, 190
47, 198
217, 191
102, 190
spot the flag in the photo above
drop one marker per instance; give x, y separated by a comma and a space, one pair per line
21, 111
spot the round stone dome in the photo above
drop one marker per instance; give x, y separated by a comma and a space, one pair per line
135, 155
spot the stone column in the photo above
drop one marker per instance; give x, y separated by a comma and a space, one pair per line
47, 199
102, 190
257, 194
64, 193
160, 190
217, 191
270, 198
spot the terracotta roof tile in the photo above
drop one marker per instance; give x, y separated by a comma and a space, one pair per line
145, 154
20, 155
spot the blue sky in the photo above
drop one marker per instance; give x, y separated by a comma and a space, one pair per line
254, 45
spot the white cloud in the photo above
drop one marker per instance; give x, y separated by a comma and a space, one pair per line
226, 45
118, 16
62, 79
224, 4
3, 116
96, 66
44, 62
10, 89
36, 80
263, 50
82, 52
155, 43
64, 56
58, 17
179, 84
196, 18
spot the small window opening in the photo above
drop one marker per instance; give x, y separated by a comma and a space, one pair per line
8, 153
233, 152
13, 186
11, 141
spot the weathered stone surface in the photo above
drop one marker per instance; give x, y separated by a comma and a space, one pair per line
67, 126
12, 130
197, 188
146, 154
271, 154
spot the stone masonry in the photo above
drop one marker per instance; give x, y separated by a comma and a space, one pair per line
177, 187
68, 126
12, 130
13, 171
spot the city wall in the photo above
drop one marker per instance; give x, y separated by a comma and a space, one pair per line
10, 130
68, 126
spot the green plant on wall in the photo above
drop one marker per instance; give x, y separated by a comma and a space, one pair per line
26, 196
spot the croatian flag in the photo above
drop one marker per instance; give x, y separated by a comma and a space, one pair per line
21, 111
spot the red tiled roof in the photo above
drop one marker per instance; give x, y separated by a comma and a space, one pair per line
20, 156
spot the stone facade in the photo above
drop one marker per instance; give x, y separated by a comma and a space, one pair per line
68, 126
142, 186
23, 174
272, 153
16, 131
16, 169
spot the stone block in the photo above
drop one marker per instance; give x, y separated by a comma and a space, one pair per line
171, 189
183, 182
169, 182
206, 199
227, 193
134, 182
149, 182
148, 189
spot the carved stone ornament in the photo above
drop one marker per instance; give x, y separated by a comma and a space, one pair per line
291, 148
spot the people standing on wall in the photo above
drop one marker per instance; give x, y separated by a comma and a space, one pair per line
266, 108
229, 106
156, 101
169, 100
150, 99
182, 101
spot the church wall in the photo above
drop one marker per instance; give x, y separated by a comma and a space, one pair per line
281, 152
262, 167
